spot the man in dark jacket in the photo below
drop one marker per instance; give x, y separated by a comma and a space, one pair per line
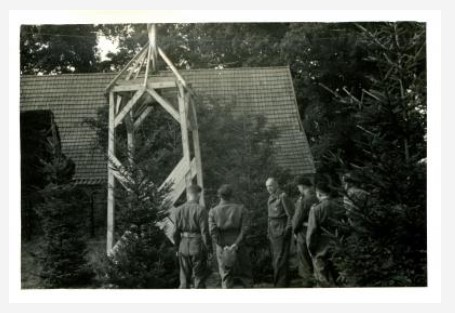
191, 236
321, 223
299, 225
228, 222
279, 208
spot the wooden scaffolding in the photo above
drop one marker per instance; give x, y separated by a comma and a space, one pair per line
124, 92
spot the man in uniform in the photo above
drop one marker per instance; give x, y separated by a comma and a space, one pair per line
191, 236
322, 222
228, 224
279, 232
300, 224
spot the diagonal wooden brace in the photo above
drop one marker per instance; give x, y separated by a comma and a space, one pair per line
166, 105
128, 106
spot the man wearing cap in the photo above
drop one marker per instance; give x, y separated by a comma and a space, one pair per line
299, 226
321, 223
279, 231
191, 236
228, 223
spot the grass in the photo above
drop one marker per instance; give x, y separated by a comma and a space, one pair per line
30, 266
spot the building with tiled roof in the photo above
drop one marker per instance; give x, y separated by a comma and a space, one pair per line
265, 91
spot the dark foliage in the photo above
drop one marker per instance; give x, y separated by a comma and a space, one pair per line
62, 215
387, 244
143, 257
56, 49
63, 256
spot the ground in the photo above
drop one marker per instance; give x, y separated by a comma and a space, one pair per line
30, 267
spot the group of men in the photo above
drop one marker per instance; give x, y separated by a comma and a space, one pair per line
309, 221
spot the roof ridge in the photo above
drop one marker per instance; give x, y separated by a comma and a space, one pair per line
229, 69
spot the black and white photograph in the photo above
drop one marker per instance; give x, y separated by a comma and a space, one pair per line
219, 155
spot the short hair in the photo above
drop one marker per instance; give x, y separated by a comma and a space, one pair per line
302, 180
225, 192
271, 178
324, 188
194, 189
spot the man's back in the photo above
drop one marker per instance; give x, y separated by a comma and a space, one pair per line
228, 223
191, 223
188, 217
228, 216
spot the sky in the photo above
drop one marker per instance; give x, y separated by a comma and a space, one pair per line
106, 45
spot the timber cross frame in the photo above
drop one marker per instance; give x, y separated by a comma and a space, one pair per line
121, 108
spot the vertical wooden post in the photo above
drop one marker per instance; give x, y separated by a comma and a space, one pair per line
130, 138
147, 66
184, 127
152, 40
110, 178
197, 150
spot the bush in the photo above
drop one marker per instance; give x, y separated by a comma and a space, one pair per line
145, 261
63, 255
143, 257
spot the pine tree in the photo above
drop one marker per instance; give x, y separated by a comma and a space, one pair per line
62, 216
388, 246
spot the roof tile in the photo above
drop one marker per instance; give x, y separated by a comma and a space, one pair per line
73, 98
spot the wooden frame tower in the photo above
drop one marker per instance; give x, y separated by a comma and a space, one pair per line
124, 92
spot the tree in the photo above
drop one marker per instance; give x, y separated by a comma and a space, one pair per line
388, 247
143, 257
62, 214
57, 49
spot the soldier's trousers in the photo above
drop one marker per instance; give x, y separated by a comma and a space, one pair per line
305, 261
324, 271
241, 270
193, 270
280, 247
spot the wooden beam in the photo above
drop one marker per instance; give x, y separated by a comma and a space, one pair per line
128, 106
130, 138
184, 128
147, 65
118, 167
136, 84
110, 177
137, 65
197, 151
152, 42
180, 169
172, 67
141, 118
179, 182
166, 105
107, 89
122, 180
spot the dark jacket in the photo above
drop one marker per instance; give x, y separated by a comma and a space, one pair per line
302, 211
228, 223
280, 211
